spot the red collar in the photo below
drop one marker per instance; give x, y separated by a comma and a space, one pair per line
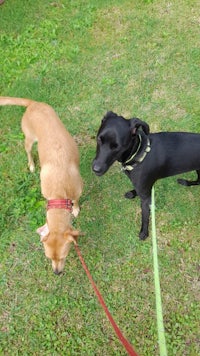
59, 204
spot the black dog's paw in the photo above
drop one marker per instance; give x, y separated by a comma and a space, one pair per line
182, 182
143, 235
131, 194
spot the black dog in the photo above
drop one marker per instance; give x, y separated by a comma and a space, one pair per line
145, 157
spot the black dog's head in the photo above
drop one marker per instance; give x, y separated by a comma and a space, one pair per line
115, 137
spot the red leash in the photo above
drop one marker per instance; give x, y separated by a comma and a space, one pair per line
123, 340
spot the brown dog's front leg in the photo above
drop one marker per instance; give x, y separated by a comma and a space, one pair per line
145, 205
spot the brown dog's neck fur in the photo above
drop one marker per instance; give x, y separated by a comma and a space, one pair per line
58, 220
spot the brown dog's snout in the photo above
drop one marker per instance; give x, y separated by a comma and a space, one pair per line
57, 272
58, 266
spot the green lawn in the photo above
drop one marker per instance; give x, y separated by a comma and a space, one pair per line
137, 58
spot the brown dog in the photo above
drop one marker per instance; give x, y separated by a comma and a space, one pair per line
61, 183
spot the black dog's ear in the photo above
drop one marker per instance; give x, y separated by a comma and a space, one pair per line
108, 115
136, 123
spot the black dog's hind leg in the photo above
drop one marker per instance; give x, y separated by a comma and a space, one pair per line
188, 183
131, 194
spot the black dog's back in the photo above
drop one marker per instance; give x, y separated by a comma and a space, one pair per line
173, 153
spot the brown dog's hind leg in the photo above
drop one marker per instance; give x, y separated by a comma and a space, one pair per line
28, 146
189, 183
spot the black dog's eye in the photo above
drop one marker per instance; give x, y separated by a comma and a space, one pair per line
100, 140
113, 145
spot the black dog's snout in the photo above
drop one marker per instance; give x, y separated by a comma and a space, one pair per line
96, 167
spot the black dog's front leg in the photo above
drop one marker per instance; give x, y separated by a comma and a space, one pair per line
145, 205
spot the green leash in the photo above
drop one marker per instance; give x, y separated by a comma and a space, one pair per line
159, 313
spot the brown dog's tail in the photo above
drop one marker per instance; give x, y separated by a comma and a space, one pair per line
7, 100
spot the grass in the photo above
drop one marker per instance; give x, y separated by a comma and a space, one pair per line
138, 58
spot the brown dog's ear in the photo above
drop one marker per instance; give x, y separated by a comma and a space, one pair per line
136, 123
43, 231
